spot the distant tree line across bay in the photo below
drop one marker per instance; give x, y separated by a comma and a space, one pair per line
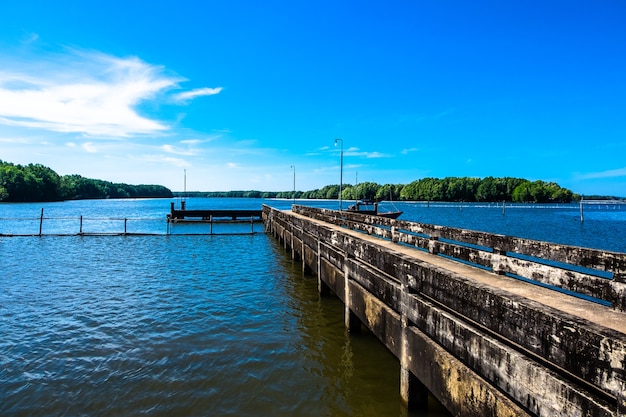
35, 182
467, 189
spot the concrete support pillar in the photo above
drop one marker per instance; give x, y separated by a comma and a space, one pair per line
351, 320
413, 393
322, 288
353, 323
621, 402
433, 245
498, 261
394, 234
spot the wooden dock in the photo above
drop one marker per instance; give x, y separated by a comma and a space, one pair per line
184, 215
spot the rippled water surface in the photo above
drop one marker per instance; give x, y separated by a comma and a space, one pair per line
195, 325
178, 325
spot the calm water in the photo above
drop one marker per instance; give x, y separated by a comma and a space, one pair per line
194, 325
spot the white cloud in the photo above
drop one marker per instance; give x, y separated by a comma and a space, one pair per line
409, 150
353, 151
191, 142
89, 147
198, 92
85, 92
97, 98
376, 155
14, 140
169, 160
612, 173
232, 165
173, 150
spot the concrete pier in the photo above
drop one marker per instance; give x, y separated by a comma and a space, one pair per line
491, 325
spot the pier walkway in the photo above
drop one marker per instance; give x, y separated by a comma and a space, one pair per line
489, 324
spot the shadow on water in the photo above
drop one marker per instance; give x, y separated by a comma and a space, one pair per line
363, 376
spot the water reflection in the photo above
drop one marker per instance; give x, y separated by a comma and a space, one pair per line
362, 376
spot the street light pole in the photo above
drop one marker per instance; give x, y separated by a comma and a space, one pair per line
340, 173
294, 183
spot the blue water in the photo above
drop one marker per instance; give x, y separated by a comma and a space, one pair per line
604, 225
194, 325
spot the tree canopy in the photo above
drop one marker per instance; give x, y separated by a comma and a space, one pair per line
35, 182
468, 189
487, 189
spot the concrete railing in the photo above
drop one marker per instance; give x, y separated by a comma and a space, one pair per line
589, 273
481, 350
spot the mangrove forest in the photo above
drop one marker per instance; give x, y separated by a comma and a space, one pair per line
35, 183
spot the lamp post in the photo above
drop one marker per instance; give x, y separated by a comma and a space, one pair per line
293, 167
340, 173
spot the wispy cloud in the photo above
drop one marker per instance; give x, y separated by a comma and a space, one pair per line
85, 92
177, 151
354, 151
30, 37
14, 140
89, 147
198, 92
376, 155
409, 150
192, 142
169, 160
612, 173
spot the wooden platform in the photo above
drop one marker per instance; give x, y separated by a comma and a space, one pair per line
185, 215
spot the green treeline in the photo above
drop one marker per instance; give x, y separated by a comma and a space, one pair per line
466, 189
487, 189
35, 182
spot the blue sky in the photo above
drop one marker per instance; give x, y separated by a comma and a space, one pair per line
238, 92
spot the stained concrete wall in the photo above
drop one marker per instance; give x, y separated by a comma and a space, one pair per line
479, 350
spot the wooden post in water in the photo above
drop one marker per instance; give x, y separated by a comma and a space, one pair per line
125, 220
41, 222
80, 229
211, 223
582, 214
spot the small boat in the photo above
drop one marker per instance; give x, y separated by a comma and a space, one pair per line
390, 214
371, 208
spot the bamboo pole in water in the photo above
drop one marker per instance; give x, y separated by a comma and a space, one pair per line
582, 214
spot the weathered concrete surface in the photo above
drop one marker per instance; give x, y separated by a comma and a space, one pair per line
540, 261
482, 343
